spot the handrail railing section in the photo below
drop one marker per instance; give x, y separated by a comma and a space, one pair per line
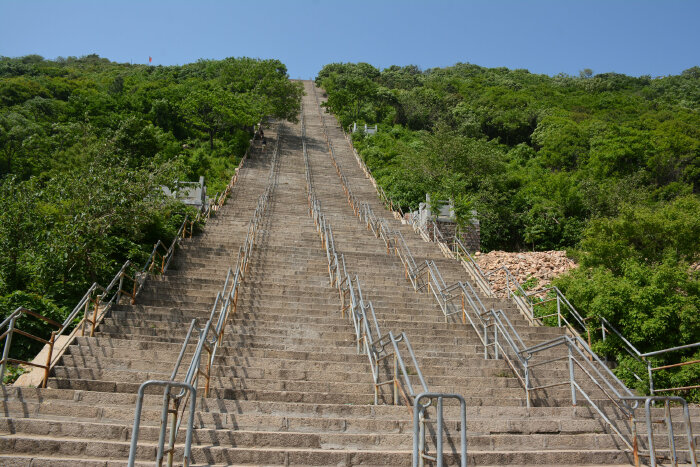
500, 338
209, 338
382, 350
93, 306
98, 300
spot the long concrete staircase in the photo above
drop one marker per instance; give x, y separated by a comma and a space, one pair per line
289, 387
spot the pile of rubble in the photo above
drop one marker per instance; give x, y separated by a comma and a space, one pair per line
537, 268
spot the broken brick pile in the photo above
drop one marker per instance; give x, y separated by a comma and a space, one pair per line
543, 266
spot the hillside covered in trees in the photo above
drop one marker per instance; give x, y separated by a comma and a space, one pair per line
606, 166
86, 144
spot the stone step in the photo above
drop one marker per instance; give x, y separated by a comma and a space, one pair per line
273, 327
327, 440
291, 379
251, 366
214, 455
523, 415
440, 363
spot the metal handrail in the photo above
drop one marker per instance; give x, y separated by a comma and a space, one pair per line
420, 454
189, 387
516, 355
225, 303
668, 420
580, 354
90, 299
137, 418
11, 330
580, 357
387, 200
100, 303
527, 304
461, 253
507, 342
644, 359
368, 336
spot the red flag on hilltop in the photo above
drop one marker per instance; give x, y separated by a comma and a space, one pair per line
150, 59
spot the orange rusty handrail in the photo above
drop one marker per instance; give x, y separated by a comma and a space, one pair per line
11, 330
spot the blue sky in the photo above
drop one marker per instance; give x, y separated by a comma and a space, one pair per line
545, 36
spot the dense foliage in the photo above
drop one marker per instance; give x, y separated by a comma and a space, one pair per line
86, 144
607, 166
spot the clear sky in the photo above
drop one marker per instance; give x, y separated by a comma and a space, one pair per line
545, 36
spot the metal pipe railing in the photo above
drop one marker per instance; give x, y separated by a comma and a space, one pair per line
527, 304
579, 353
644, 358
668, 421
368, 335
225, 304
95, 307
420, 454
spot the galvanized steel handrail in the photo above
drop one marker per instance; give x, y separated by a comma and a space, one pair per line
99, 305
668, 420
388, 201
527, 303
137, 420
225, 304
94, 305
420, 454
369, 339
507, 342
393, 239
97, 301
166, 257
377, 346
518, 356
368, 336
579, 356
445, 295
461, 253
517, 360
514, 350
644, 359
9, 322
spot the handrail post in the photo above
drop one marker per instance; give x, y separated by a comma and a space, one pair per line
486, 342
208, 374
87, 309
94, 314
133, 290
163, 424
571, 376
495, 340
396, 379
48, 359
528, 402
669, 426
439, 433
421, 439
635, 440
6, 350
119, 290
650, 433
689, 433
173, 430
558, 312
